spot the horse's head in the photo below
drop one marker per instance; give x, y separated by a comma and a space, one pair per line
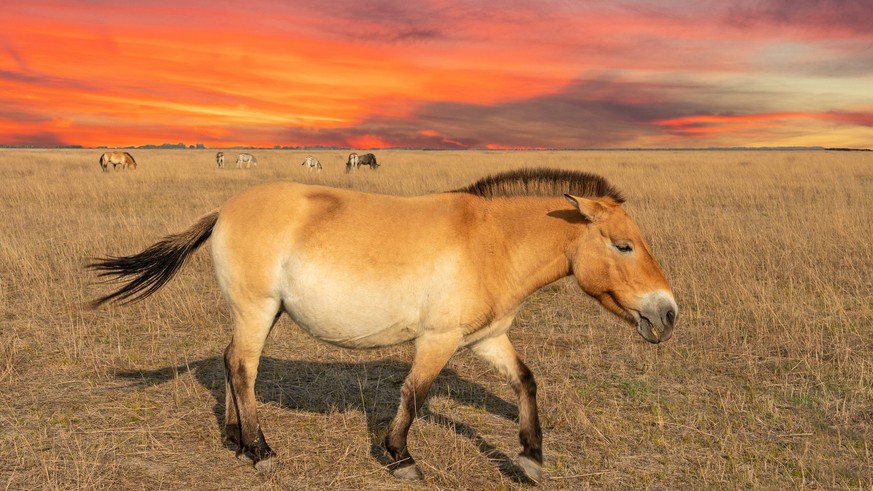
613, 263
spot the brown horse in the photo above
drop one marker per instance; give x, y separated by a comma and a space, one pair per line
123, 159
444, 271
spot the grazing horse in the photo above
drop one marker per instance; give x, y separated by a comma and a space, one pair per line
247, 159
219, 159
311, 163
356, 161
352, 162
123, 159
444, 271
368, 159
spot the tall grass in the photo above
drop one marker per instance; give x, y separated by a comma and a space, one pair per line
766, 384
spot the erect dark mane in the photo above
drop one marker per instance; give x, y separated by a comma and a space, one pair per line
542, 182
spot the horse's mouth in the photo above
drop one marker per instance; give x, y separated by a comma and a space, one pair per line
655, 317
648, 331
653, 332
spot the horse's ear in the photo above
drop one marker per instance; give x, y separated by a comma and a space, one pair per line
591, 210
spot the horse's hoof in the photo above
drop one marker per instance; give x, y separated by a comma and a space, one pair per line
267, 466
408, 473
532, 469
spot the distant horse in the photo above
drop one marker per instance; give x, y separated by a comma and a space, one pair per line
368, 159
123, 159
246, 158
356, 161
352, 162
445, 270
219, 159
311, 163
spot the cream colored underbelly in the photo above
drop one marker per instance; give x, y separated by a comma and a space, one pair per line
369, 313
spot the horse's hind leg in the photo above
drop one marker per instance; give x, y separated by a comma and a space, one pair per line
252, 324
431, 354
499, 353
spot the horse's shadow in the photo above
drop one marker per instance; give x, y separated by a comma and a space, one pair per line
372, 387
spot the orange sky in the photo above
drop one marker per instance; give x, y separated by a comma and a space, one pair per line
437, 74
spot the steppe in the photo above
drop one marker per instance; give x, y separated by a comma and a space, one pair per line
767, 382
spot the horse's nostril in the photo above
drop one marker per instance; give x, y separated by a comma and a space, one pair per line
671, 317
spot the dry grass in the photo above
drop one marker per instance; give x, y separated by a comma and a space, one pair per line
766, 384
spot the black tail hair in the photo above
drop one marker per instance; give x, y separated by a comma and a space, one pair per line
146, 272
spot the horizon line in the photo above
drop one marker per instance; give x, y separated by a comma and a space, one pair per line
182, 146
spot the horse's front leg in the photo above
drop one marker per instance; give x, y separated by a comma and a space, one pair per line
432, 352
498, 351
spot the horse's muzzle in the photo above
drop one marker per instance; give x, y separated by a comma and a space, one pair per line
657, 316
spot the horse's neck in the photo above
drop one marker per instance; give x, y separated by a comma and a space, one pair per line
525, 244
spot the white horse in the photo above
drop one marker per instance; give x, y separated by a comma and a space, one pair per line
246, 158
311, 163
352, 162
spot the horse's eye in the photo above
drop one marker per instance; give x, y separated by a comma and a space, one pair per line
624, 248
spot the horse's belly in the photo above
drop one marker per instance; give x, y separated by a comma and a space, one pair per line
354, 323
365, 314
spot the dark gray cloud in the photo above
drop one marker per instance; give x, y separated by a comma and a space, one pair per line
39, 139
572, 118
812, 16
600, 113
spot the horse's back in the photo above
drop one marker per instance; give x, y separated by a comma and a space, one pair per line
323, 220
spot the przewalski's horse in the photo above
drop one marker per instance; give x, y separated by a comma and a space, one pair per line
123, 159
219, 159
352, 162
445, 271
311, 163
246, 159
356, 161
368, 159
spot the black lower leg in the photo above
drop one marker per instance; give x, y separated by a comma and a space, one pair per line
232, 431
258, 449
411, 400
246, 434
396, 438
530, 434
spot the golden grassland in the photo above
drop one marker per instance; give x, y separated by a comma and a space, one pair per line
767, 382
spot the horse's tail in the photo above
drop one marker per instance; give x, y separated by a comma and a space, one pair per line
103, 164
146, 272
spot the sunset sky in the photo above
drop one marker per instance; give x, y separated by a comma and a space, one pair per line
438, 73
